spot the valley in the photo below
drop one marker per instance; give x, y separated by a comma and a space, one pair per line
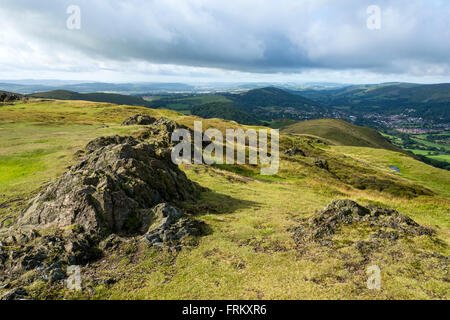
401, 112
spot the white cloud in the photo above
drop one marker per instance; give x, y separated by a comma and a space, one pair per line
246, 39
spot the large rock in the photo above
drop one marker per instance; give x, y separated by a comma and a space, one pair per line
112, 190
159, 133
383, 223
139, 119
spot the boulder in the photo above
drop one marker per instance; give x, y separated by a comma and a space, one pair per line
139, 119
382, 223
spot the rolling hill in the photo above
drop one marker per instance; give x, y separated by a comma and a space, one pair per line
225, 111
94, 97
427, 101
271, 96
272, 103
341, 133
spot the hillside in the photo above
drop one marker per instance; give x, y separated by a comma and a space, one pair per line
224, 110
31, 86
427, 101
341, 133
271, 96
272, 103
248, 236
94, 97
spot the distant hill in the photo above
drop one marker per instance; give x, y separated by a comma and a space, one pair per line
95, 97
272, 103
428, 101
33, 86
225, 111
340, 132
271, 96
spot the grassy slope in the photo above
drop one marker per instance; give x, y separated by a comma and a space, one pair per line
249, 253
38, 139
341, 133
94, 97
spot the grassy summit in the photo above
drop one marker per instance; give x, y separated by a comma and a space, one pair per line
249, 251
341, 133
94, 97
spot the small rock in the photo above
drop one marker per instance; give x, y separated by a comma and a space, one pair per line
322, 164
56, 275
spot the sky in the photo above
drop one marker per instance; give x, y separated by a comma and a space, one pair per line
345, 41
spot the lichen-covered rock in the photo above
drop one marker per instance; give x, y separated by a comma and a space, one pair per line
159, 133
168, 226
111, 190
139, 119
386, 224
322, 164
295, 151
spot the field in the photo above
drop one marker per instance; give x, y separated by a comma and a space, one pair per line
433, 148
249, 252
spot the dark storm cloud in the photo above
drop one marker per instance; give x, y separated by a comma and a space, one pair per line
244, 35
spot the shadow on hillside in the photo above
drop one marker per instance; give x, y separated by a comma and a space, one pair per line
212, 202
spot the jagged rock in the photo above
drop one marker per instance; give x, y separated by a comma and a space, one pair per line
322, 164
295, 151
139, 119
169, 225
112, 190
159, 133
388, 224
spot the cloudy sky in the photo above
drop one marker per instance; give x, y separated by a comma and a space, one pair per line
226, 40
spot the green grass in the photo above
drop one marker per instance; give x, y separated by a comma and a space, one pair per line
38, 140
341, 133
431, 144
249, 253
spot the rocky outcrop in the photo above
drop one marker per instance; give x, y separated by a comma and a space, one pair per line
169, 225
112, 190
321, 163
122, 189
8, 97
139, 119
295, 151
28, 256
159, 133
381, 223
